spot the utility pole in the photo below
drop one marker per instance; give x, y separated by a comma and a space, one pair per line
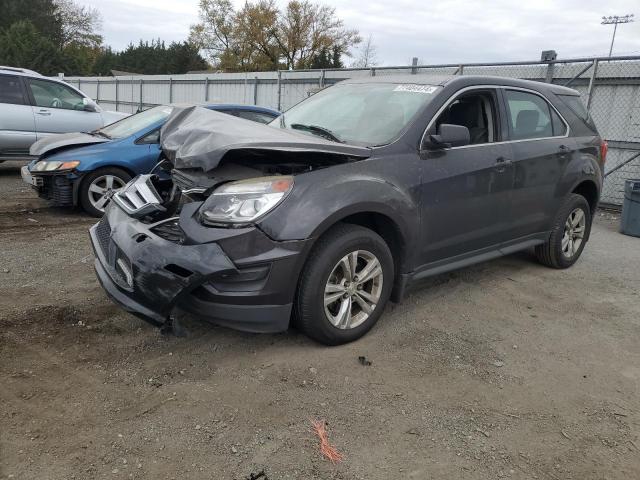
615, 20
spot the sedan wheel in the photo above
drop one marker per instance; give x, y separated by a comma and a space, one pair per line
353, 289
101, 189
98, 186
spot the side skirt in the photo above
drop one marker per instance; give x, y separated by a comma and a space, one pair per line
465, 260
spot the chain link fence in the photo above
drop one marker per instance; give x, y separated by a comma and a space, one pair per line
610, 88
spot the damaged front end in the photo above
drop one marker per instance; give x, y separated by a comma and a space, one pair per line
193, 243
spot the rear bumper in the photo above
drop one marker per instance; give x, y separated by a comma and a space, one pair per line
153, 277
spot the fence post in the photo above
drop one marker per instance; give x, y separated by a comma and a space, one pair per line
116, 94
255, 91
98, 91
414, 64
592, 82
279, 90
140, 105
321, 79
373, 71
461, 70
170, 90
549, 77
206, 89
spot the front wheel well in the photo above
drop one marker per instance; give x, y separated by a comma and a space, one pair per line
589, 191
388, 230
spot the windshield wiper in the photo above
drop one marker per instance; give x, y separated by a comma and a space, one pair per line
101, 134
315, 129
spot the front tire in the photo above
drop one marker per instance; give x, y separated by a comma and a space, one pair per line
569, 235
344, 285
97, 186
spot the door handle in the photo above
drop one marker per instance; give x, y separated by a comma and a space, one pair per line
43, 112
502, 163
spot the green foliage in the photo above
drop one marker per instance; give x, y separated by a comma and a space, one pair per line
151, 58
43, 15
60, 36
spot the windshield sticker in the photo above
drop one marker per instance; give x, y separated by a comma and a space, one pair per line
413, 88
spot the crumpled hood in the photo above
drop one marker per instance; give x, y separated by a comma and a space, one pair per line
194, 137
63, 140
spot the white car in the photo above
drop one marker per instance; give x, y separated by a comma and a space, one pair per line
33, 106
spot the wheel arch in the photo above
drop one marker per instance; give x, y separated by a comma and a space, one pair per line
589, 190
384, 225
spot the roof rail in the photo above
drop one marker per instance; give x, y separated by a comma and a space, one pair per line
19, 70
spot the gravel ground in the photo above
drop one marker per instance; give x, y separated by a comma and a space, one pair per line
503, 370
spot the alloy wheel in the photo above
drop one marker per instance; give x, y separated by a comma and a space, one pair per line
101, 189
353, 289
574, 230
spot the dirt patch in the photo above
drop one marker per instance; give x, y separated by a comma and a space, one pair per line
502, 370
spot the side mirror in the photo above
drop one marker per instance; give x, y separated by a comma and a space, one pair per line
89, 105
449, 136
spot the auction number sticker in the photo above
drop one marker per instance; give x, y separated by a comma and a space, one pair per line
414, 88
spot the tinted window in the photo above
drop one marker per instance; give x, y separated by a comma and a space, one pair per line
559, 127
140, 121
55, 95
477, 112
255, 116
10, 90
575, 104
529, 115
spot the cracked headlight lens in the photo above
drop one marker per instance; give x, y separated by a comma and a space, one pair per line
245, 201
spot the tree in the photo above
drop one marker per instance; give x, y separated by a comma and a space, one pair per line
79, 24
23, 46
260, 36
367, 56
42, 14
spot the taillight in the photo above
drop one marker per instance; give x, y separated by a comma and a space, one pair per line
604, 149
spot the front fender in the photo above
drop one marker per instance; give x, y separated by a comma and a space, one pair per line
321, 199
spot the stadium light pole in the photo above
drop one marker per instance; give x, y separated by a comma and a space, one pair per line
615, 20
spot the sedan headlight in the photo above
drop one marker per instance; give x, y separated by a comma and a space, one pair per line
54, 165
245, 201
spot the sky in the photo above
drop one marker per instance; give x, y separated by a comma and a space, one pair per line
451, 31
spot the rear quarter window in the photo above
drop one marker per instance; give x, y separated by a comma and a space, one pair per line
576, 106
10, 90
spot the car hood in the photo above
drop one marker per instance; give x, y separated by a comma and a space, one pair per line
194, 137
54, 143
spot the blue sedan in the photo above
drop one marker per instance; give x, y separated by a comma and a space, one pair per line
85, 168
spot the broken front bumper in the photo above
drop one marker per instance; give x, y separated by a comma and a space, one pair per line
233, 277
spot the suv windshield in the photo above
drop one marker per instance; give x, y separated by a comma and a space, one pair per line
366, 114
133, 124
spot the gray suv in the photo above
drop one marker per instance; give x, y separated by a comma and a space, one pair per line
33, 106
348, 199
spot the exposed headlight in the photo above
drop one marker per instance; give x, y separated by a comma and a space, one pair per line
46, 166
245, 201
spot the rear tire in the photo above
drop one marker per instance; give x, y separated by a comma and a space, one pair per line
94, 202
333, 304
569, 235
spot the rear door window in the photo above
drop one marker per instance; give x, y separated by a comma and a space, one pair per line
11, 90
529, 115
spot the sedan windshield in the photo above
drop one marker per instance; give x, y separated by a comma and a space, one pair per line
133, 124
365, 114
